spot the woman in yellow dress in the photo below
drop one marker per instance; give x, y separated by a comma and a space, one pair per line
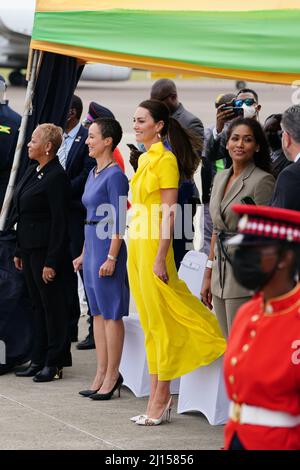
181, 334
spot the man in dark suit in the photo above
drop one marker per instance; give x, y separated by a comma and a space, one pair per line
74, 158
9, 128
165, 90
287, 189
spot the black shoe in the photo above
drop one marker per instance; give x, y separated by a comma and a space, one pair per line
88, 393
5, 368
30, 371
107, 396
87, 343
47, 374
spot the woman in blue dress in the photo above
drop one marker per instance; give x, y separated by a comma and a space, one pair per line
104, 255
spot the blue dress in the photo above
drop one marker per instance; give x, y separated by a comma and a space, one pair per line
105, 199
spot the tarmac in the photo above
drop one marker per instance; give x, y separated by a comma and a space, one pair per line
53, 416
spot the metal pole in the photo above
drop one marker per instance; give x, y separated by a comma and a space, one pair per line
22, 133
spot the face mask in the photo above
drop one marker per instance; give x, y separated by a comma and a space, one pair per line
249, 111
246, 266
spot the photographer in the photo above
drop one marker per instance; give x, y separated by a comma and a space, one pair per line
247, 100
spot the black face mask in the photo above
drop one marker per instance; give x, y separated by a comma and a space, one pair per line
246, 265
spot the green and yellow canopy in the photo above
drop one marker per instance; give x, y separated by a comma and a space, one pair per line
252, 40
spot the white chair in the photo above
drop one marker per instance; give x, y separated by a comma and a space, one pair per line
192, 269
133, 365
203, 389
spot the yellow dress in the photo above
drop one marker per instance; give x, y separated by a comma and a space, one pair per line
181, 334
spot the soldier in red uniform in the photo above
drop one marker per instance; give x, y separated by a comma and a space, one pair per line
262, 361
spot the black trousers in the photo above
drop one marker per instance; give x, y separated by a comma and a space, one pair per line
50, 310
236, 444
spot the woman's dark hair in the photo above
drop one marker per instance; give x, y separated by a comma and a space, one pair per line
185, 145
110, 128
278, 117
261, 158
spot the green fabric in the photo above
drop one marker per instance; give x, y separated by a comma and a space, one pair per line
220, 165
257, 41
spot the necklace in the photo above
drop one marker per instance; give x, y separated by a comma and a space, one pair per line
99, 171
41, 174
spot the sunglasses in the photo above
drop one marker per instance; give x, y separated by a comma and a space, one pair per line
238, 103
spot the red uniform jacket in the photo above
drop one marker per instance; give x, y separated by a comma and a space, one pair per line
262, 368
119, 159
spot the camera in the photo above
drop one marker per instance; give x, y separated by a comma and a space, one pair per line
237, 110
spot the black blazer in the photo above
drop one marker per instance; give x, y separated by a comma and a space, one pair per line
287, 190
42, 201
79, 164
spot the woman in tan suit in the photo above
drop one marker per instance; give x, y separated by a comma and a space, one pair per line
250, 178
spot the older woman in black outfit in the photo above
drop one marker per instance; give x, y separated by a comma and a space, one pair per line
42, 200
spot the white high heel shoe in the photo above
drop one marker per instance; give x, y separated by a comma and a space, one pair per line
136, 418
166, 414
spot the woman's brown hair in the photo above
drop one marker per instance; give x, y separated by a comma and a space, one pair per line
185, 145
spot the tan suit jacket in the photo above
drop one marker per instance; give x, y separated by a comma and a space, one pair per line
252, 182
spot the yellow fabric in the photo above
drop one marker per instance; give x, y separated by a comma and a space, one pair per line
169, 5
181, 334
163, 65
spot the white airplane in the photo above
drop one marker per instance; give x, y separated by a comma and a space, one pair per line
16, 21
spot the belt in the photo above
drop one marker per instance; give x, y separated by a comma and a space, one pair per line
222, 236
246, 414
91, 222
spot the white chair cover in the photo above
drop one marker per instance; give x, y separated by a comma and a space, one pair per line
133, 365
191, 270
203, 389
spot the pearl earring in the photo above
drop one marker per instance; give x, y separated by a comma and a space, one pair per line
158, 135
47, 153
